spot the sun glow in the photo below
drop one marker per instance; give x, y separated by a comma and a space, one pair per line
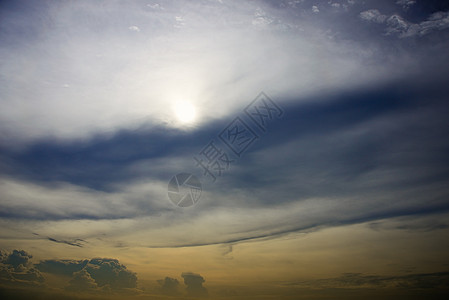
185, 112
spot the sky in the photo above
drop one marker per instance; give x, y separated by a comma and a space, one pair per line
224, 149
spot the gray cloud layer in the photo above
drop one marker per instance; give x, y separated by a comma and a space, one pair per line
87, 133
427, 281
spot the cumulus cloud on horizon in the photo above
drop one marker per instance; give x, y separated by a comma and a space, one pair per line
97, 276
169, 286
194, 284
90, 275
16, 270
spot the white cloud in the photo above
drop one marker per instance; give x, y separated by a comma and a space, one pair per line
406, 4
134, 28
373, 15
336, 5
397, 25
155, 6
437, 21
261, 18
315, 9
295, 3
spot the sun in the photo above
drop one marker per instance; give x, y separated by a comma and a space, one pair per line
185, 112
